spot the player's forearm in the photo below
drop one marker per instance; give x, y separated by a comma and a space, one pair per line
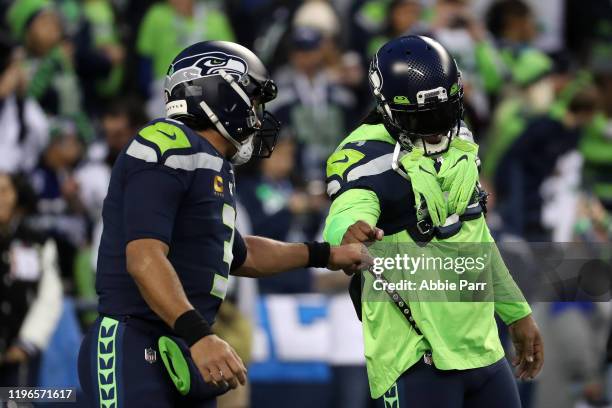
350, 207
156, 279
266, 257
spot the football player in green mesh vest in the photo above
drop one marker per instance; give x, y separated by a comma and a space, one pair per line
411, 170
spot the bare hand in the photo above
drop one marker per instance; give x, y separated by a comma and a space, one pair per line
361, 231
353, 257
218, 362
15, 355
529, 348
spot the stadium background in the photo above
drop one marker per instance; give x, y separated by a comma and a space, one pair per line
79, 78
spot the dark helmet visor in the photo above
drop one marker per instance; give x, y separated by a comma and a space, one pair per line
430, 121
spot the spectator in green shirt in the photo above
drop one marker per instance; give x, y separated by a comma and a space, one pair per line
596, 140
166, 29
52, 79
100, 16
513, 25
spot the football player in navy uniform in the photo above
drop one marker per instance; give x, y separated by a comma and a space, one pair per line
169, 241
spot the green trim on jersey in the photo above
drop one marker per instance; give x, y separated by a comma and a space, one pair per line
165, 136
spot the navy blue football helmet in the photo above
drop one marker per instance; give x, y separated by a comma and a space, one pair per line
225, 85
418, 91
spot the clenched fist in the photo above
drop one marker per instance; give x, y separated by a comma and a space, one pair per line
361, 231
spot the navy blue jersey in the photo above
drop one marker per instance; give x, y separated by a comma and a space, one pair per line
367, 165
170, 184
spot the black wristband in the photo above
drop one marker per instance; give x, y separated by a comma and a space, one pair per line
191, 326
318, 254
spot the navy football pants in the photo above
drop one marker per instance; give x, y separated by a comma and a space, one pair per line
120, 367
424, 386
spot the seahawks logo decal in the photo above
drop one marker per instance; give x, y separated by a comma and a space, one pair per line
203, 65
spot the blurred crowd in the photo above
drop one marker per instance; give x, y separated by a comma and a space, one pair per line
78, 78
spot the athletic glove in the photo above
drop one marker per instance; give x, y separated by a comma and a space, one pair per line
458, 174
425, 185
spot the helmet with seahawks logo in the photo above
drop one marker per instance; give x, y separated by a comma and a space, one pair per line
418, 92
224, 85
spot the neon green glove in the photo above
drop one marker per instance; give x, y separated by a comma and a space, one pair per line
425, 185
459, 174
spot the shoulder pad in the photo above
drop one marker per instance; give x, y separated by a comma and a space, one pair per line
341, 160
358, 165
368, 132
175, 145
159, 137
165, 135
